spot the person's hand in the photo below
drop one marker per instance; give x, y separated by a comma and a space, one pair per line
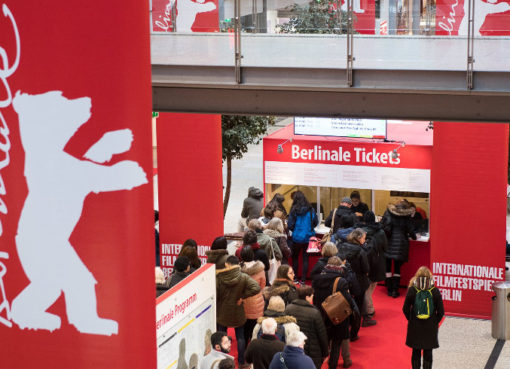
358, 214
240, 302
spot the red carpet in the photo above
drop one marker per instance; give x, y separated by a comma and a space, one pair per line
381, 346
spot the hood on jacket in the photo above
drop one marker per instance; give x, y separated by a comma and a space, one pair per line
255, 193
274, 234
348, 250
342, 233
253, 268
279, 287
229, 276
423, 283
327, 278
280, 318
399, 210
302, 210
372, 228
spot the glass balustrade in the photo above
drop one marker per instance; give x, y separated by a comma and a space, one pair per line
387, 34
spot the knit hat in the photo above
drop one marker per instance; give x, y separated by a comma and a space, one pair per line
347, 200
276, 303
181, 263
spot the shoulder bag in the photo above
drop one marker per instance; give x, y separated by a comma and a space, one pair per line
327, 237
273, 266
336, 306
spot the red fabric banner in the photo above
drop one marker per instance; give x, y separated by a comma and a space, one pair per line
189, 182
468, 207
76, 243
190, 16
491, 18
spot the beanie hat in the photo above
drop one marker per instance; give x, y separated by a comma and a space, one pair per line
276, 303
347, 200
181, 263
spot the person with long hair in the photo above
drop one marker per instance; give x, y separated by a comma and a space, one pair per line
302, 222
422, 329
277, 203
283, 285
276, 230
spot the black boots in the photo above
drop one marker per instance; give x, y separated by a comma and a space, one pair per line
389, 284
395, 282
427, 364
368, 321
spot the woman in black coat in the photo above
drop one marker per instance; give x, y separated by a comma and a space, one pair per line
375, 247
422, 333
398, 227
323, 286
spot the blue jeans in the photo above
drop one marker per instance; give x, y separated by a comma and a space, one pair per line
241, 343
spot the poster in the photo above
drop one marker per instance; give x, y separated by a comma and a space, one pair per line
185, 320
75, 191
190, 16
491, 17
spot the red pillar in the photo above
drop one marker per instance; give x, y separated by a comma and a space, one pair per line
468, 213
190, 182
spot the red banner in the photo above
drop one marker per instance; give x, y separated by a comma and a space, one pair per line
189, 182
468, 207
491, 18
190, 16
335, 151
75, 197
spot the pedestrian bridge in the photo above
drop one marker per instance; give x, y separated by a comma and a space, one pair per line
356, 75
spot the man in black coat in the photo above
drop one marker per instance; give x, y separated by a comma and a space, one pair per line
358, 208
311, 324
261, 350
343, 209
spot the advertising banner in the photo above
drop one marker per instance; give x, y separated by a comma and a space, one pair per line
185, 320
468, 202
491, 18
190, 16
190, 183
75, 191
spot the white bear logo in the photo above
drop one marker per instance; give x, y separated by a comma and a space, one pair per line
58, 184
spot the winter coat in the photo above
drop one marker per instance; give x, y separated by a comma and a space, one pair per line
398, 227
361, 208
266, 242
323, 287
341, 234
253, 204
232, 285
217, 257
302, 223
283, 288
287, 322
318, 267
375, 247
281, 240
311, 324
422, 333
357, 258
176, 278
254, 306
294, 358
261, 350
341, 210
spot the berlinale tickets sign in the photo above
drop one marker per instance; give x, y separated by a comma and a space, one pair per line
76, 285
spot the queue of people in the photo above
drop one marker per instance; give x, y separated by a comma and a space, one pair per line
281, 322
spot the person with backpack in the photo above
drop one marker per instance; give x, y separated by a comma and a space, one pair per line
423, 309
302, 222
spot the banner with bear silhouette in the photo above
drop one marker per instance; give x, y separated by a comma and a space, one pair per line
185, 16
491, 17
76, 218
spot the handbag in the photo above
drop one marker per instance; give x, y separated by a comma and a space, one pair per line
273, 266
336, 306
313, 243
327, 237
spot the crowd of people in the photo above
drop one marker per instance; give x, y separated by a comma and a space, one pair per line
277, 313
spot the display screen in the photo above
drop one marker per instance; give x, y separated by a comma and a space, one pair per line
340, 127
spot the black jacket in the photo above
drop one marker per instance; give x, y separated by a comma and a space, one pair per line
341, 210
375, 247
357, 258
311, 324
318, 267
260, 351
422, 333
398, 227
323, 287
283, 288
